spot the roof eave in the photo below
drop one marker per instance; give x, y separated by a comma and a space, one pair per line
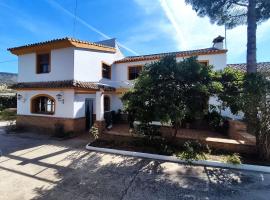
58, 44
220, 51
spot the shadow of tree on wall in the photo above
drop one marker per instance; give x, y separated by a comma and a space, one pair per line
105, 176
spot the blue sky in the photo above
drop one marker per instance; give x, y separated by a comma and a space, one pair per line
140, 26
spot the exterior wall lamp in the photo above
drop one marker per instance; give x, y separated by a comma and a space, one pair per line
19, 97
60, 97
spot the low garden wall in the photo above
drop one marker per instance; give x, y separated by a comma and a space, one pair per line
236, 140
238, 131
229, 145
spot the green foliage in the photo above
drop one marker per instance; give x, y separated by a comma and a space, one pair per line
147, 130
194, 150
174, 90
8, 115
249, 93
256, 106
160, 145
94, 132
232, 81
216, 121
230, 12
8, 101
234, 159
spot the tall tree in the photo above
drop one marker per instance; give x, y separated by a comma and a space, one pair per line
174, 90
232, 13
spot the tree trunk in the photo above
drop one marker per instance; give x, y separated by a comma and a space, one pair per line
263, 145
251, 37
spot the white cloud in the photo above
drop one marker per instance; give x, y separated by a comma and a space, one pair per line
149, 6
191, 31
180, 37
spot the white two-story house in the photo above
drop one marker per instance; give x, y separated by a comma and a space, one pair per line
73, 82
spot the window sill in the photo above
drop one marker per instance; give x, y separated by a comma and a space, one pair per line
43, 73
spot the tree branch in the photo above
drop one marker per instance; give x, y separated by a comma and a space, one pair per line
242, 15
239, 4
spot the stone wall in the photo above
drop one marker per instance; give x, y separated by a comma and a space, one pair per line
47, 124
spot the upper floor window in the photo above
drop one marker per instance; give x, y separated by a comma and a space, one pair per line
43, 63
43, 105
106, 71
204, 62
134, 72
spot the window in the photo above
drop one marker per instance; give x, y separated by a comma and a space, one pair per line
43, 105
43, 63
107, 104
133, 72
204, 62
106, 71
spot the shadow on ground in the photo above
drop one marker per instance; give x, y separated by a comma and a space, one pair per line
46, 169
104, 176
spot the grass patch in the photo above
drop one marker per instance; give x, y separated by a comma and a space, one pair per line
234, 159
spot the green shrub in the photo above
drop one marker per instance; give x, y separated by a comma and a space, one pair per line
217, 122
8, 102
193, 150
147, 130
234, 159
8, 115
159, 144
94, 132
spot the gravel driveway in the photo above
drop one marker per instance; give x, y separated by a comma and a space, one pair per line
34, 167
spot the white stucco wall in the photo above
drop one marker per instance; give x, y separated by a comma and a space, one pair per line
116, 103
225, 112
61, 109
83, 65
79, 104
61, 66
88, 64
120, 70
66, 64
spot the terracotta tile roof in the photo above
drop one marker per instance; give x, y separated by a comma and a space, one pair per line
261, 66
63, 84
177, 54
60, 43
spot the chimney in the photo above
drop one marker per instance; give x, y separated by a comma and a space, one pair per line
218, 42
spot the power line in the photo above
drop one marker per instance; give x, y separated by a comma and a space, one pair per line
75, 18
86, 24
